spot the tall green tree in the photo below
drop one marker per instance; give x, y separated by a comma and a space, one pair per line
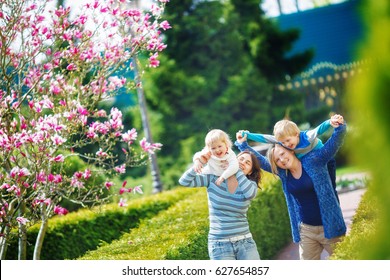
219, 71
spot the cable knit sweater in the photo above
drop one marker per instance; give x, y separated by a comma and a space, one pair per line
315, 165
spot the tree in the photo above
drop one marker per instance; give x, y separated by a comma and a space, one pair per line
55, 70
219, 71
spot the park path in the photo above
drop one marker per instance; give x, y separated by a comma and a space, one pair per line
349, 201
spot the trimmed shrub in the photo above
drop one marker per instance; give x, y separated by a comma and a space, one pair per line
363, 230
180, 233
70, 236
177, 233
268, 218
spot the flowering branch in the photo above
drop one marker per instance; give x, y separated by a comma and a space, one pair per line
55, 70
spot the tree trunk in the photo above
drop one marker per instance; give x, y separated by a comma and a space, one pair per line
3, 243
22, 246
6, 230
157, 184
41, 236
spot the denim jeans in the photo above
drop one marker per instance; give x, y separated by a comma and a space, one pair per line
244, 249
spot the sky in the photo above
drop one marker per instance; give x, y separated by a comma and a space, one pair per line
270, 7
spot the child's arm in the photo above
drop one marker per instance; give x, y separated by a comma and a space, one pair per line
309, 139
261, 138
232, 168
334, 121
319, 130
200, 158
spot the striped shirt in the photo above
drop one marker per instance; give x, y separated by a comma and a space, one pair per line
227, 211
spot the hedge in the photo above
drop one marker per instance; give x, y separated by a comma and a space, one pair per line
170, 225
70, 236
181, 231
178, 233
363, 234
268, 219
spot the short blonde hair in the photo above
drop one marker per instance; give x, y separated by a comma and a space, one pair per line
285, 128
218, 135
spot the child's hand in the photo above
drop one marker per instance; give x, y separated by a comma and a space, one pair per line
204, 156
219, 181
239, 137
198, 166
336, 120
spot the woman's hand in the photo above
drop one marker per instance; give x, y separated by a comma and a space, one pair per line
240, 138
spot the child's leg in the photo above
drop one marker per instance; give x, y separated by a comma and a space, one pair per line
332, 174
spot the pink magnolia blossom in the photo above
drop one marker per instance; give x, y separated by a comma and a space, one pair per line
59, 158
22, 220
120, 169
108, 185
130, 136
137, 189
165, 25
122, 202
153, 62
60, 210
87, 174
101, 153
149, 147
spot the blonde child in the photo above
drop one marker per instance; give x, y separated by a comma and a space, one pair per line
289, 135
217, 157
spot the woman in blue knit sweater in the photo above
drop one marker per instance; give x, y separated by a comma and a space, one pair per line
316, 219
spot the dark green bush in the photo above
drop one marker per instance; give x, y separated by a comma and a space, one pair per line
269, 221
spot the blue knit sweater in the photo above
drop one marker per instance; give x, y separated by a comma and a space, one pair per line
315, 165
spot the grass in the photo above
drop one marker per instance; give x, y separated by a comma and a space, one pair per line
349, 169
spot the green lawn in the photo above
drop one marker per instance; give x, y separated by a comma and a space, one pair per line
349, 169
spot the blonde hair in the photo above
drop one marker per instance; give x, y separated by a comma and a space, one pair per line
285, 128
271, 159
218, 135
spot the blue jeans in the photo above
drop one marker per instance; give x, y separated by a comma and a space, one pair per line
244, 249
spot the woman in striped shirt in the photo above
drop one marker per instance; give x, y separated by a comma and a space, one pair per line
229, 236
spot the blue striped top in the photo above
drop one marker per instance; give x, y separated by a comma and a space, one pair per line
227, 211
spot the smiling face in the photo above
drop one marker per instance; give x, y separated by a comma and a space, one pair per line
245, 163
290, 142
218, 148
283, 158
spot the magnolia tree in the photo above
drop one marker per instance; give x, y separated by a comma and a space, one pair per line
56, 66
